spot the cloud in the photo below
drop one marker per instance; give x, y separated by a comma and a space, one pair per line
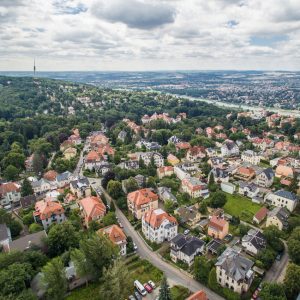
134, 13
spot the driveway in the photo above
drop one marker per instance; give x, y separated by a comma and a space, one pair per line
173, 274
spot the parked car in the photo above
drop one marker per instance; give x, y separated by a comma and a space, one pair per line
186, 232
152, 284
278, 257
121, 225
134, 246
137, 295
148, 288
131, 297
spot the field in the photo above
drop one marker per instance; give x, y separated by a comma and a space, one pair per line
241, 206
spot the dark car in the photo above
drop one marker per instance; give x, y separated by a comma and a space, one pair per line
137, 295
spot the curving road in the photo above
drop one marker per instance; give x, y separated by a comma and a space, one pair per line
171, 272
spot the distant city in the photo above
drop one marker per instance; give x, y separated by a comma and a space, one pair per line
254, 88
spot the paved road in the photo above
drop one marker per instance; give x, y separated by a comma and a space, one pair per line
277, 272
172, 273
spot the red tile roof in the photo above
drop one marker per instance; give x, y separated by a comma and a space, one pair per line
115, 233
9, 187
200, 295
45, 209
50, 175
217, 222
93, 207
141, 197
156, 217
261, 214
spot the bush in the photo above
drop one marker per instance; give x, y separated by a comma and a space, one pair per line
34, 227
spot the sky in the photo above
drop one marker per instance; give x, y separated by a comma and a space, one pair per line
131, 35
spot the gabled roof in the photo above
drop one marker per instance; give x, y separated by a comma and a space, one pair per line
93, 206
45, 209
217, 223
8, 187
142, 196
187, 244
235, 265
157, 216
256, 238
261, 214
286, 195
115, 233
50, 175
269, 173
200, 295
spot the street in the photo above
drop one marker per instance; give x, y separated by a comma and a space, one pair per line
277, 271
173, 274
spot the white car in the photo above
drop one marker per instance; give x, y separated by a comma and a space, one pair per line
152, 284
186, 232
134, 246
121, 225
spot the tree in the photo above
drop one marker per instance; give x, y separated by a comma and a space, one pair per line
109, 219
54, 279
203, 208
34, 227
11, 173
15, 228
14, 279
267, 257
98, 251
201, 269
273, 235
131, 185
114, 188
218, 200
107, 177
81, 266
293, 221
294, 245
37, 163
164, 290
26, 188
168, 205
61, 237
272, 291
28, 219
118, 277
291, 281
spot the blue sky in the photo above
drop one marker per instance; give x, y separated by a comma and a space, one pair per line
150, 34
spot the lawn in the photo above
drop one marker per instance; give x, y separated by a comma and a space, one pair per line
179, 292
89, 292
241, 206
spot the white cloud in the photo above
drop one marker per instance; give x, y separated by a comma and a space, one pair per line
149, 34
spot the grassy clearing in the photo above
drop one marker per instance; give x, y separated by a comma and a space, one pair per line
89, 292
179, 292
241, 206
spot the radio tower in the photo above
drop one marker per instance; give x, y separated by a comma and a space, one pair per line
34, 68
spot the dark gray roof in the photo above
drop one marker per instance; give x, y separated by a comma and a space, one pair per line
4, 232
286, 194
187, 244
230, 145
269, 173
256, 238
26, 241
83, 181
235, 265
282, 214
63, 176
219, 173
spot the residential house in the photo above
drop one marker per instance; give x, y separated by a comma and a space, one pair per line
151, 146
245, 173
92, 160
50, 175
229, 148
48, 212
260, 215
211, 152
278, 217
41, 186
29, 241
117, 237
265, 178
173, 160
173, 140
92, 209
81, 187
165, 171
251, 157
194, 187
5, 237
214, 246
263, 144
122, 135
10, 194
195, 153
182, 146
158, 226
254, 241
220, 175
129, 165
218, 227
228, 187
165, 194
64, 179
200, 295
141, 201
282, 198
188, 215
186, 248
234, 271
250, 190
70, 153
147, 157
284, 171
